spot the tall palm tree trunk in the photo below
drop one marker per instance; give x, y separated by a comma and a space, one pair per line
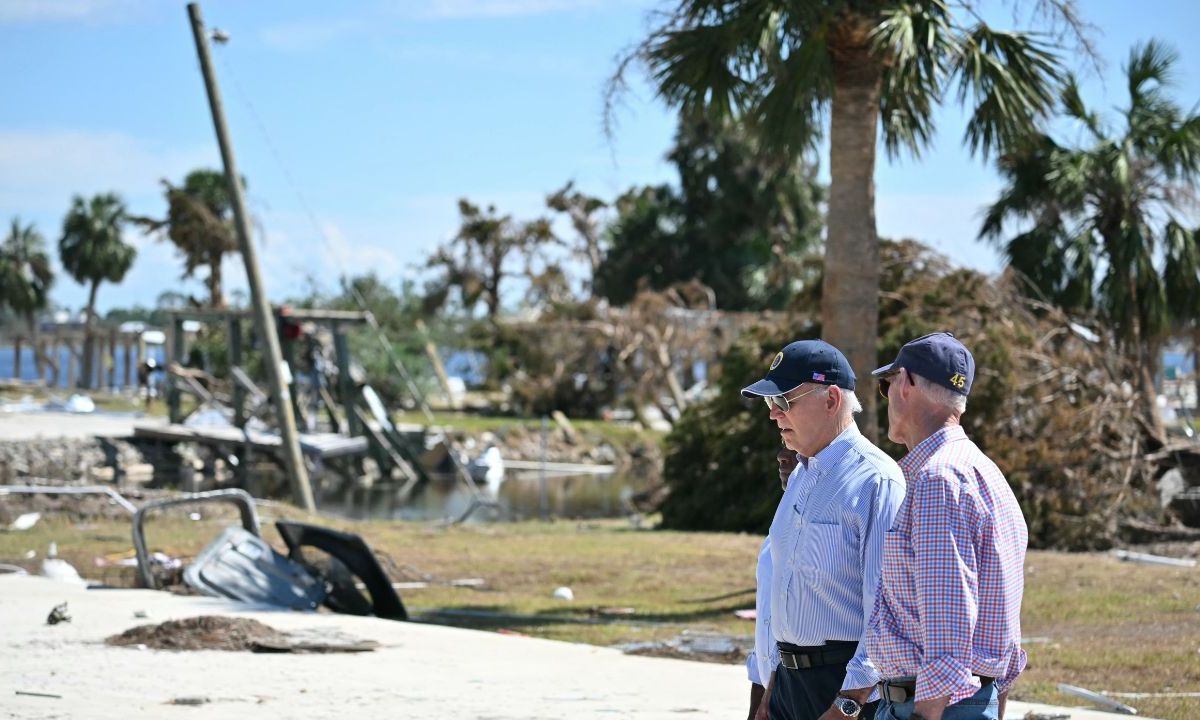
1196, 369
216, 295
31, 323
850, 293
1149, 362
85, 376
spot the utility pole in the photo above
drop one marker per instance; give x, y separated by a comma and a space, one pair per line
264, 320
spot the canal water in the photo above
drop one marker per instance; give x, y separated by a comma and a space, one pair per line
520, 496
62, 355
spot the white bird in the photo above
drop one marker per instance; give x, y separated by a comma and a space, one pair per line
489, 468
56, 568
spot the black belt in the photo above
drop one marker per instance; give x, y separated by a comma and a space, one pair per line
834, 652
902, 690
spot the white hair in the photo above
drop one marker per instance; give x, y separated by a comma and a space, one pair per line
939, 395
850, 404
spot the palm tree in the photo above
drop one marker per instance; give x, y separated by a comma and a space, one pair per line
1101, 217
199, 223
779, 66
92, 251
25, 277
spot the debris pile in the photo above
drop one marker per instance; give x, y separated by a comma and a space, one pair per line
214, 632
1055, 403
207, 632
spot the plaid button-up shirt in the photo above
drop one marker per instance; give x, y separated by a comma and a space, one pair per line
949, 600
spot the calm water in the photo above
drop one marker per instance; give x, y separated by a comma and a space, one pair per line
29, 369
519, 497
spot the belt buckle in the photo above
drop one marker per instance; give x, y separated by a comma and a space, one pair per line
898, 693
795, 661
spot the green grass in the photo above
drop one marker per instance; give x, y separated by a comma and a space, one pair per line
1093, 621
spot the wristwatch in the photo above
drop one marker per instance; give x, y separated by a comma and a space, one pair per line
847, 706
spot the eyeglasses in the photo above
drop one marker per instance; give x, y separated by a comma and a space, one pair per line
784, 403
885, 382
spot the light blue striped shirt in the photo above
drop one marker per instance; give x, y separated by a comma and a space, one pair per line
826, 547
758, 663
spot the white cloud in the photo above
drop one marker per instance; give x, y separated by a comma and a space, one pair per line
310, 34
474, 9
40, 171
28, 11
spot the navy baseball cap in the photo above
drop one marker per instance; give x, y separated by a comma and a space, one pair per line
938, 357
804, 361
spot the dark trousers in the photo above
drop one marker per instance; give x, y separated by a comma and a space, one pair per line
807, 694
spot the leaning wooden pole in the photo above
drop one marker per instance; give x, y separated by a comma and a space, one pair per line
264, 320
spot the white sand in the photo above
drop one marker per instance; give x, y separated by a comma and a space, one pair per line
32, 425
421, 671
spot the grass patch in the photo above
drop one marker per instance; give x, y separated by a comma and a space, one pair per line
1092, 621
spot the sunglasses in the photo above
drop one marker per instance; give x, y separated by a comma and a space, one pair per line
784, 403
885, 383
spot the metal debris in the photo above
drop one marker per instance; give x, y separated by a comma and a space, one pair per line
1097, 698
1149, 559
58, 615
37, 694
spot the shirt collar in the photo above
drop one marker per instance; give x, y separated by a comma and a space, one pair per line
833, 452
927, 447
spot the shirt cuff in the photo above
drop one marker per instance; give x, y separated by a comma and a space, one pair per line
1015, 667
752, 669
945, 677
861, 673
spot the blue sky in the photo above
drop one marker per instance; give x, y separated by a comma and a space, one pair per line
382, 114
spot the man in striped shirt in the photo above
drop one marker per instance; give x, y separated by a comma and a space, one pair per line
946, 627
758, 662
826, 540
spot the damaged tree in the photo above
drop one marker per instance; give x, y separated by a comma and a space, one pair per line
1053, 404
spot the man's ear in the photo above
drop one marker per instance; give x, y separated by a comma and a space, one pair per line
906, 383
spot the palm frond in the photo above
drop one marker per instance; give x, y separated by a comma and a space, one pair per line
91, 247
1178, 151
1150, 68
1012, 79
1181, 272
1074, 108
788, 111
695, 68
916, 41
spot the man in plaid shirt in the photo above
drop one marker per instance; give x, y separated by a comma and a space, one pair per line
945, 631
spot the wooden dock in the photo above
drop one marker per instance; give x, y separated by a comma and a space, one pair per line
323, 446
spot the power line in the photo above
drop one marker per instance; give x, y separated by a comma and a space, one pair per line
477, 498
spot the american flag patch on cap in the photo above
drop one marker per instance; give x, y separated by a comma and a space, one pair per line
819, 377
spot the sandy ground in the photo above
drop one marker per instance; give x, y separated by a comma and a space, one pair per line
420, 671
31, 425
